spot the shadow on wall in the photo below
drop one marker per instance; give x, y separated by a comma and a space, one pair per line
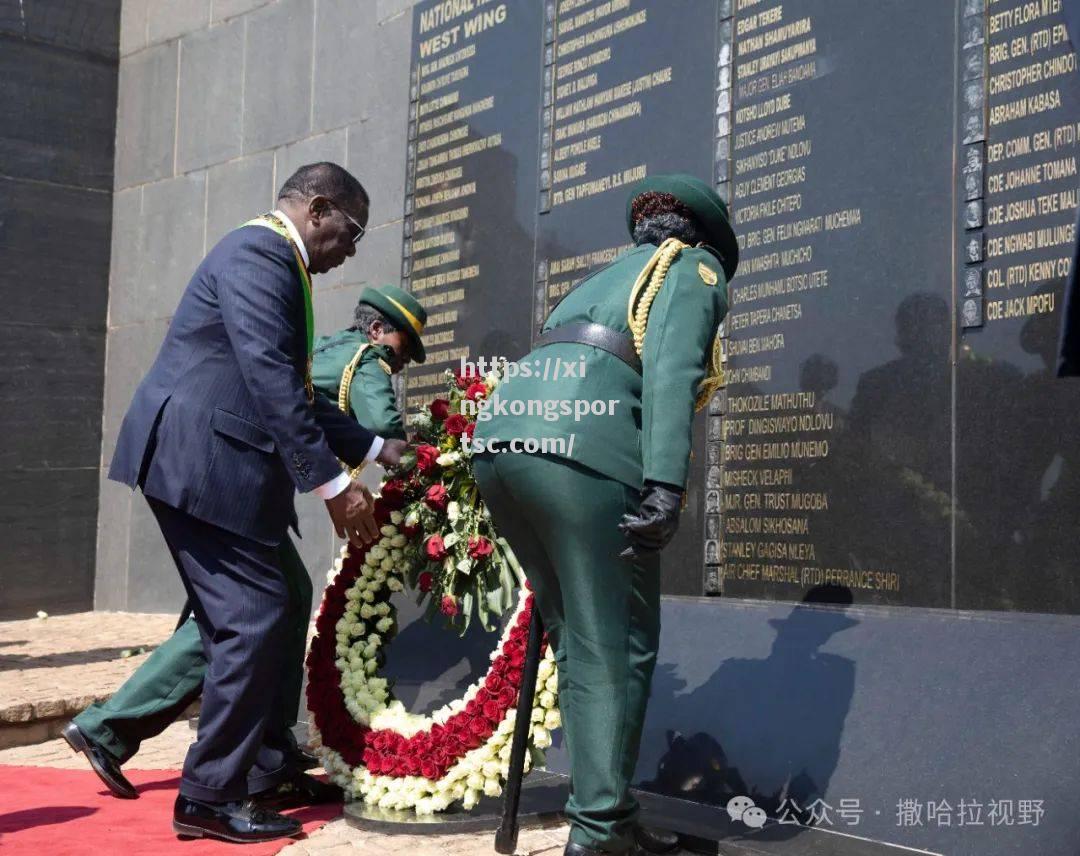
775, 734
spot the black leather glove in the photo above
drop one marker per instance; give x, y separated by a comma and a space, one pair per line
656, 521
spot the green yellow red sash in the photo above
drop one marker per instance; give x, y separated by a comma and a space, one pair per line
275, 224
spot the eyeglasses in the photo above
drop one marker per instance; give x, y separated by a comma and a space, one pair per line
360, 230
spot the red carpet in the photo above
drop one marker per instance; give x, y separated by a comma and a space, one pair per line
50, 812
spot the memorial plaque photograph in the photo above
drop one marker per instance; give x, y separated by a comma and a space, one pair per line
837, 431
472, 176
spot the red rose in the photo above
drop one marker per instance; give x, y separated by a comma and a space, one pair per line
480, 548
425, 458
517, 658
428, 770
449, 605
435, 549
494, 683
493, 711
436, 497
478, 727
476, 391
425, 580
507, 696
393, 494
455, 424
439, 408
466, 378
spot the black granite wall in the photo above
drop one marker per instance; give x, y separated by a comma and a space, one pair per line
58, 79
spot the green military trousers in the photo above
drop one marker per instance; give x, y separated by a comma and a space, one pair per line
161, 688
601, 613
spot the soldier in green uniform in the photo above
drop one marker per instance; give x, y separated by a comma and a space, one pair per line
352, 367
597, 493
381, 341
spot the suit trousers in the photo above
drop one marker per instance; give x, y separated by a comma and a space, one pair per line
171, 679
601, 614
240, 599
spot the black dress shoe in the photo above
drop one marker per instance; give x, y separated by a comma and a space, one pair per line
299, 790
657, 841
240, 822
101, 762
301, 760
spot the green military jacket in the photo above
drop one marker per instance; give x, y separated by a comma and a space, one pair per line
646, 435
371, 395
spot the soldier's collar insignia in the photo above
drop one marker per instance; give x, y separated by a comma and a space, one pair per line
708, 276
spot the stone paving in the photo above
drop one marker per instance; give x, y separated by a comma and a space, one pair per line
52, 668
67, 659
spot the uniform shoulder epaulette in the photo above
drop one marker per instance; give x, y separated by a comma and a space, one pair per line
707, 274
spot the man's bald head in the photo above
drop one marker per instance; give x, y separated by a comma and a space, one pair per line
324, 179
329, 208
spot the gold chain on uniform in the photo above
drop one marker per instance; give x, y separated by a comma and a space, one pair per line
343, 393
651, 279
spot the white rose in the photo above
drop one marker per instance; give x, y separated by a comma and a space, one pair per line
397, 542
384, 624
425, 806
552, 719
396, 517
367, 611
453, 512
368, 596
379, 552
547, 700
371, 667
387, 565
491, 769
394, 584
388, 529
382, 608
475, 781
545, 670
541, 738
470, 800
412, 519
552, 684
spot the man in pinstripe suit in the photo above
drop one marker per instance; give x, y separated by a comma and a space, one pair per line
222, 431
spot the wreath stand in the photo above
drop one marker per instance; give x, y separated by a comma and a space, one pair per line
538, 801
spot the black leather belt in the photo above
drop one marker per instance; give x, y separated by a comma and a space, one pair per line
583, 333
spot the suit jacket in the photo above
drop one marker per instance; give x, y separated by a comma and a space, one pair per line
221, 427
1069, 357
371, 395
647, 435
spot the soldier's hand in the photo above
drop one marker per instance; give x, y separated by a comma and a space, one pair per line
391, 452
656, 521
353, 513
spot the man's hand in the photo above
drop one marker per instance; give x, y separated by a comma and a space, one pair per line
391, 452
656, 521
352, 511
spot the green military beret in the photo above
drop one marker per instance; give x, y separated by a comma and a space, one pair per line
403, 309
705, 204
